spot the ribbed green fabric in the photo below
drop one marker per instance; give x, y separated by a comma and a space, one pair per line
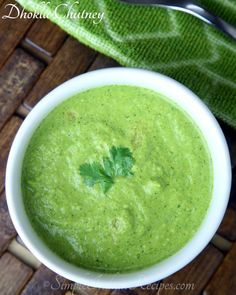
163, 40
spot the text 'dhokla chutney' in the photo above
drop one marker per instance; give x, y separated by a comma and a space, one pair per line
116, 179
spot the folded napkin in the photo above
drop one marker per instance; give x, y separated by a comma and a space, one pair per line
159, 39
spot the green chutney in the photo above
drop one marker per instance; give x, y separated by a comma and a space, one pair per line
143, 218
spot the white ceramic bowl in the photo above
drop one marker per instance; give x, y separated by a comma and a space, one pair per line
186, 100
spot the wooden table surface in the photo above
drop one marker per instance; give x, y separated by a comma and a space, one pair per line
35, 57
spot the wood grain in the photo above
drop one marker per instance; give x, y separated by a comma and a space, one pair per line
7, 134
86, 290
197, 272
102, 62
193, 278
11, 31
227, 228
16, 78
23, 254
221, 243
7, 230
45, 36
23, 110
145, 290
13, 275
73, 58
224, 280
46, 282
22, 79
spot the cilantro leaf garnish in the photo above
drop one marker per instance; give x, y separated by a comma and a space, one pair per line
93, 174
122, 161
119, 163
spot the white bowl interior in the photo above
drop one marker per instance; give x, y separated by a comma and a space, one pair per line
185, 99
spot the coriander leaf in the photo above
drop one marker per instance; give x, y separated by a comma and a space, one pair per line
108, 166
94, 173
106, 184
123, 161
119, 163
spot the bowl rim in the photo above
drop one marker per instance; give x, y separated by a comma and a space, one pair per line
176, 92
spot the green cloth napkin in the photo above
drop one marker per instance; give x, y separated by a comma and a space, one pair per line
170, 42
